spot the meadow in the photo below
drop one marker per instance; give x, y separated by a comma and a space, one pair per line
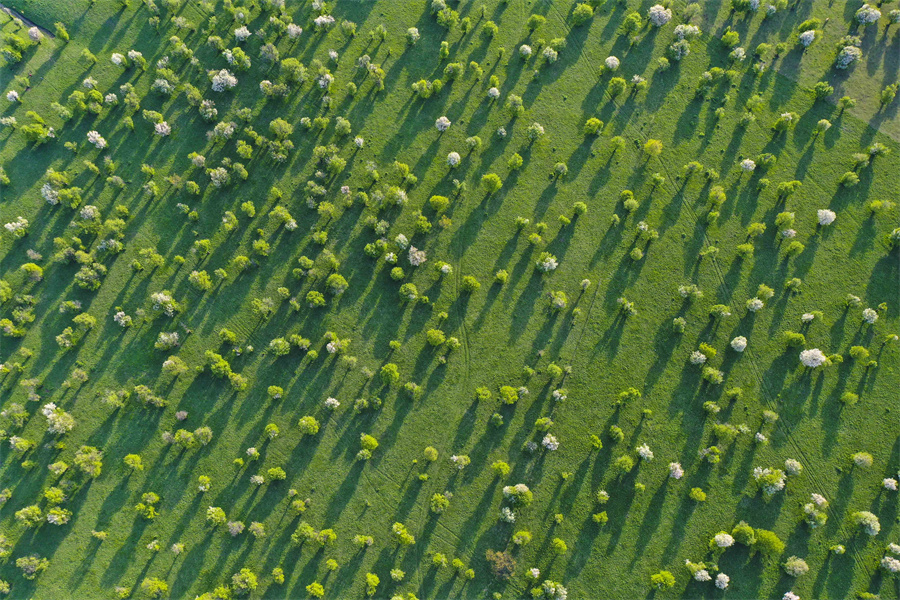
659, 293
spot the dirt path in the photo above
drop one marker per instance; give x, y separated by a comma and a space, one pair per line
17, 15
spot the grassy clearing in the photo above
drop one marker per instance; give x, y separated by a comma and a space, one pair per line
508, 335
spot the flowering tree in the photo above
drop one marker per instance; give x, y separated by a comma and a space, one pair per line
659, 15
223, 80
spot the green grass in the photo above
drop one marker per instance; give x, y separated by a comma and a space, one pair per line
47, 13
501, 329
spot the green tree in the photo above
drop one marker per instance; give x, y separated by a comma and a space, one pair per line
491, 183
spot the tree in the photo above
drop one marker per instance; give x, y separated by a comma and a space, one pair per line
617, 85
402, 535
390, 374
503, 565
88, 459
662, 580
337, 284
470, 284
201, 280
632, 23
592, 126
309, 425
559, 546
768, 543
653, 148
154, 588
535, 21
435, 337
133, 461
491, 183
30, 516
281, 129
32, 565
372, 582
744, 534
582, 14
244, 582
624, 464
439, 503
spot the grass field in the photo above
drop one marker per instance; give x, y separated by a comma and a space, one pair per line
508, 334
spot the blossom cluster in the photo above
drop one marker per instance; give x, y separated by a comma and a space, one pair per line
659, 15
96, 139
